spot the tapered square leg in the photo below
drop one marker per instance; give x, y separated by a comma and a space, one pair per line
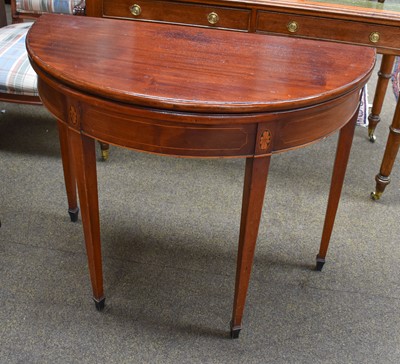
255, 182
69, 171
85, 166
339, 170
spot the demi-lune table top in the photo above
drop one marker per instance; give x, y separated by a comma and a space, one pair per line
204, 70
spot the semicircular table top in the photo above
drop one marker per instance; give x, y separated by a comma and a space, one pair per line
215, 71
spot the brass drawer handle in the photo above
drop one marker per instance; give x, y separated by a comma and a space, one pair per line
374, 37
213, 18
135, 9
292, 26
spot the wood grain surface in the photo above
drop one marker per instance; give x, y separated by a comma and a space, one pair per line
215, 71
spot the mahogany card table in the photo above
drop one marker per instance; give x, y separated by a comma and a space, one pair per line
192, 92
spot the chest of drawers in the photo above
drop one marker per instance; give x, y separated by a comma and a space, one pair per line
287, 17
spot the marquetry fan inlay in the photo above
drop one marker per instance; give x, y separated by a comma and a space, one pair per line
265, 139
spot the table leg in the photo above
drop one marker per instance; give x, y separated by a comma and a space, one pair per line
255, 182
392, 147
384, 74
85, 166
339, 170
69, 173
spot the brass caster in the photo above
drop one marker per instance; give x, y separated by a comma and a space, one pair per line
104, 155
371, 136
376, 195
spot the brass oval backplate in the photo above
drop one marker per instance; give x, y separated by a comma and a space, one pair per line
135, 9
374, 37
213, 18
292, 26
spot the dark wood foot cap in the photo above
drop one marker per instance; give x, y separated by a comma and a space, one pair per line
235, 332
99, 303
320, 263
73, 214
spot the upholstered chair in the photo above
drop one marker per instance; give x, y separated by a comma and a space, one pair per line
30, 9
18, 81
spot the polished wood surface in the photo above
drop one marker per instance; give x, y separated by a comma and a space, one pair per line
351, 22
219, 81
185, 101
180, 13
371, 23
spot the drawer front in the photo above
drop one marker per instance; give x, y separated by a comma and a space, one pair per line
380, 36
178, 13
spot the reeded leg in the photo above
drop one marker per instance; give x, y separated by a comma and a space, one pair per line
255, 182
392, 147
69, 173
339, 171
384, 74
105, 151
85, 166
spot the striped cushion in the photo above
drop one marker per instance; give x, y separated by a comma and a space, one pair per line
16, 74
396, 78
46, 6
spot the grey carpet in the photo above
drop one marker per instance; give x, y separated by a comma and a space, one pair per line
169, 231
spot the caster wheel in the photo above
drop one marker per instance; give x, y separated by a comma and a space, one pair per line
376, 195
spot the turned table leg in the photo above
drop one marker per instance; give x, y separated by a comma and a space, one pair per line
384, 74
392, 147
255, 182
69, 172
339, 170
85, 166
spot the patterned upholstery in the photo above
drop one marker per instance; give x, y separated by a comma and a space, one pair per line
16, 74
46, 6
362, 118
396, 78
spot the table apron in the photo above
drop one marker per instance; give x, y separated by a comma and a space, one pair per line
196, 134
